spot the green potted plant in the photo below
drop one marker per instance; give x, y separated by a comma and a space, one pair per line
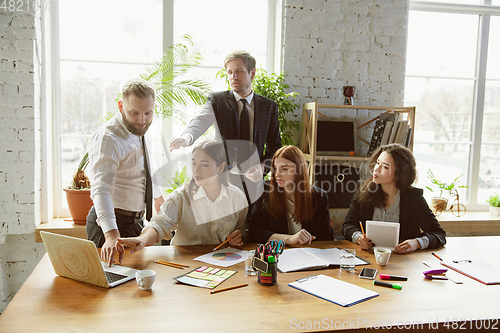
178, 180
167, 78
494, 201
78, 193
440, 203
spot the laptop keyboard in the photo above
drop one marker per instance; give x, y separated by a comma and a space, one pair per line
113, 277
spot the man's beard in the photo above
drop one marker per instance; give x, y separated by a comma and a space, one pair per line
133, 129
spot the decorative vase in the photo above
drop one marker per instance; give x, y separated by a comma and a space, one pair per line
494, 211
79, 204
348, 92
438, 205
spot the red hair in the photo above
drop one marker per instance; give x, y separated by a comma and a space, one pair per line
304, 204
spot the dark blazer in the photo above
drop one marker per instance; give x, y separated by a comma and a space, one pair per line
226, 118
262, 224
414, 216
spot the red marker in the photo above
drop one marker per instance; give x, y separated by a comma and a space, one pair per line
393, 277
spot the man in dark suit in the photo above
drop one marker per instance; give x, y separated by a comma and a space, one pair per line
240, 116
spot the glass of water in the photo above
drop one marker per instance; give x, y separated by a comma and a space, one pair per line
249, 270
347, 259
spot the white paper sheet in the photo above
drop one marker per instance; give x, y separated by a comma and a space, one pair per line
333, 290
224, 257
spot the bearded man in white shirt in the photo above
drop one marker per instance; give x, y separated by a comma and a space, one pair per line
117, 156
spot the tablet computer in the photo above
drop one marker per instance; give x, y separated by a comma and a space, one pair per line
383, 234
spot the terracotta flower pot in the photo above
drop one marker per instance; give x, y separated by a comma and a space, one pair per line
79, 204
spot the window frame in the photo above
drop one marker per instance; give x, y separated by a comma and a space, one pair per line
51, 94
484, 11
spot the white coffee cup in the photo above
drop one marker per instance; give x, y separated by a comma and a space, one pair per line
145, 279
382, 255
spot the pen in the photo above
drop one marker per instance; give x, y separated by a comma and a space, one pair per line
393, 277
218, 247
229, 288
435, 255
361, 225
388, 285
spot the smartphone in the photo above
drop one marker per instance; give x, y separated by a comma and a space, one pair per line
368, 273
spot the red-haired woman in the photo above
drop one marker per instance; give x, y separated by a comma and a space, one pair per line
290, 209
388, 196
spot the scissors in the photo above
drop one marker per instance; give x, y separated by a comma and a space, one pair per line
261, 250
277, 246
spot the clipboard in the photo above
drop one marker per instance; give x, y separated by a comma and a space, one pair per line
333, 290
476, 269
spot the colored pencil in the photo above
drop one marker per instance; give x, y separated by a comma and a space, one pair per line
361, 225
218, 247
171, 264
229, 288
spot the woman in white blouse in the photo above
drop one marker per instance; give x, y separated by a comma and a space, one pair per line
207, 210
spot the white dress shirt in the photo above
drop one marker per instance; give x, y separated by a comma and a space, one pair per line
201, 221
207, 113
117, 175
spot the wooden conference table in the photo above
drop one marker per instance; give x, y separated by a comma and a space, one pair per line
49, 303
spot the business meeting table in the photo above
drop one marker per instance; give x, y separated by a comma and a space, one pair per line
49, 303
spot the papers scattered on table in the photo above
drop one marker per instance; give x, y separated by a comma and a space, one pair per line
224, 257
333, 290
309, 258
476, 269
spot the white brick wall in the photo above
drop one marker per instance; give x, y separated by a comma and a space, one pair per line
18, 252
332, 43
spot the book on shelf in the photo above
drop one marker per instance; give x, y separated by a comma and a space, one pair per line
402, 128
379, 130
408, 139
394, 128
387, 133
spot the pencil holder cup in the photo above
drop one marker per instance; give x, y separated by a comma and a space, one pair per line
270, 277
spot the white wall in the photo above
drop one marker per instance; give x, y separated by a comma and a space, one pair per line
19, 116
332, 43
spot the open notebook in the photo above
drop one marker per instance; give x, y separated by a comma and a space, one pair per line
306, 258
333, 290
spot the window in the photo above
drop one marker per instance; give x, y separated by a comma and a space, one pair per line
109, 42
455, 97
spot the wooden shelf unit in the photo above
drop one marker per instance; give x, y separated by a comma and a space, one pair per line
310, 116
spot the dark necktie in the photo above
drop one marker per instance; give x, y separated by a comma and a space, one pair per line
149, 185
244, 121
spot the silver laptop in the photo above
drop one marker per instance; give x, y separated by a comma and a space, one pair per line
78, 259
